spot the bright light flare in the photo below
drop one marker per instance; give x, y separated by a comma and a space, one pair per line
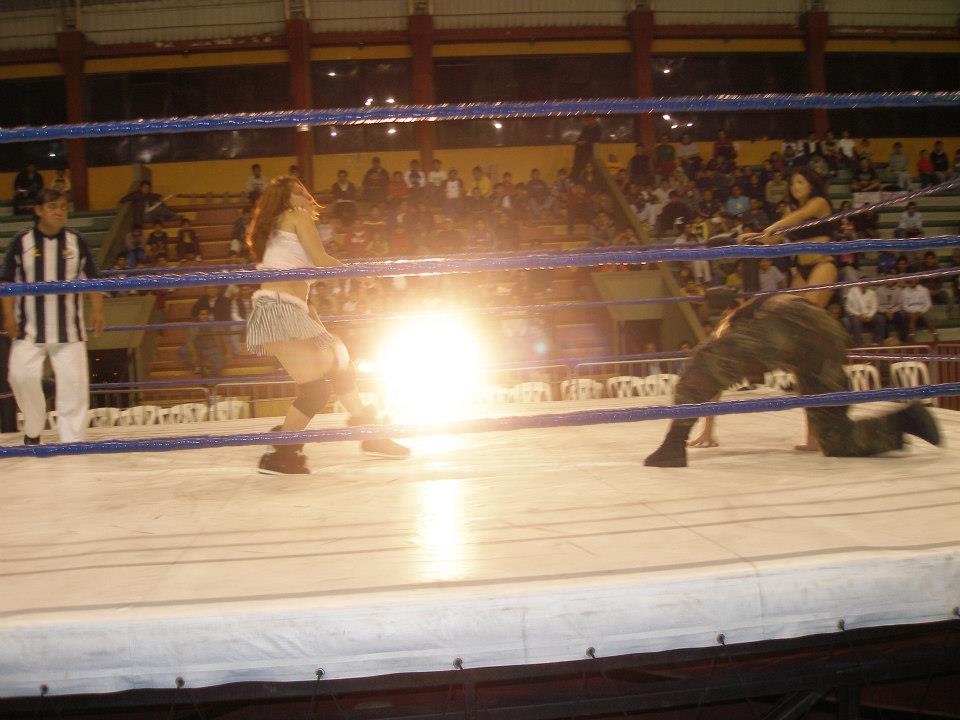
429, 368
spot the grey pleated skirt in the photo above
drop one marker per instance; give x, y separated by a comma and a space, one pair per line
278, 317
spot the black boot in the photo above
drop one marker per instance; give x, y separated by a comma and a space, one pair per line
284, 460
672, 451
298, 447
916, 420
382, 447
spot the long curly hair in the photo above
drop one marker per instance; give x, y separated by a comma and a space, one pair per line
273, 201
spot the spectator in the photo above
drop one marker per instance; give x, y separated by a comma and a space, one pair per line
326, 231
897, 167
775, 190
724, 150
867, 223
579, 207
188, 246
955, 170
453, 193
61, 182
646, 213
756, 218
157, 242
925, 170
238, 234
692, 289
860, 308
738, 203
689, 154
821, 167
480, 182
915, 299
215, 300
147, 206
538, 194
770, 276
700, 268
294, 171
940, 161
396, 190
863, 151
910, 224
866, 179
26, 189
939, 295
810, 147
345, 196
590, 179
830, 150
889, 312
480, 239
376, 182
589, 134
435, 180
133, 246
638, 169
673, 211
754, 189
846, 146
665, 157
602, 231
255, 185
205, 350
735, 278
415, 179
708, 207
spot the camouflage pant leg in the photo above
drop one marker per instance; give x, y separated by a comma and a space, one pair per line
748, 347
816, 357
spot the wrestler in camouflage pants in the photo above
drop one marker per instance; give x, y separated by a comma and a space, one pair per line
786, 332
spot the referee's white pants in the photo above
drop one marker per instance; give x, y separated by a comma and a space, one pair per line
69, 361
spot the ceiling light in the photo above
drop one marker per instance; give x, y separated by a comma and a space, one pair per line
391, 131
666, 117
303, 127
498, 125
666, 71
368, 102
332, 73
390, 101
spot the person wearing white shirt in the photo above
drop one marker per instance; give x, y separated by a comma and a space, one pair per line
256, 183
700, 268
860, 308
846, 145
915, 299
889, 310
910, 224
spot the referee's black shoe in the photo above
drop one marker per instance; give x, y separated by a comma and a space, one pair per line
377, 447
285, 460
27, 440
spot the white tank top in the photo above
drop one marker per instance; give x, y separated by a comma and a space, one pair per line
284, 252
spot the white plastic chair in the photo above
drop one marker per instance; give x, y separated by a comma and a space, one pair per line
911, 373
103, 417
19, 422
140, 415
862, 377
187, 413
532, 392
780, 380
661, 385
581, 389
494, 394
622, 386
52, 419
232, 409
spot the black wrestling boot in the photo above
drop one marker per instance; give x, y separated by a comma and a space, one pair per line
916, 420
284, 460
27, 440
672, 451
380, 447
298, 447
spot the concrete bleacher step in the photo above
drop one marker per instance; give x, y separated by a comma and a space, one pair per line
578, 334
584, 351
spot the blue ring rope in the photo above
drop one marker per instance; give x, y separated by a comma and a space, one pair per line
551, 420
441, 265
481, 111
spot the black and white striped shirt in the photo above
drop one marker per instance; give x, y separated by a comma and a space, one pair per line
33, 257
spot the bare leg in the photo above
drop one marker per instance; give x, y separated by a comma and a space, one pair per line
707, 437
304, 362
811, 444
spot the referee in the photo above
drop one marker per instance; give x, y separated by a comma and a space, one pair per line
50, 325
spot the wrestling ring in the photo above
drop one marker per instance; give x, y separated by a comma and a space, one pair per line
517, 536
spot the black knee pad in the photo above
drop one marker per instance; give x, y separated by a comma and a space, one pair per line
312, 397
343, 380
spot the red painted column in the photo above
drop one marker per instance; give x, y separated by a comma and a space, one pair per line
816, 27
301, 91
421, 60
640, 23
70, 51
